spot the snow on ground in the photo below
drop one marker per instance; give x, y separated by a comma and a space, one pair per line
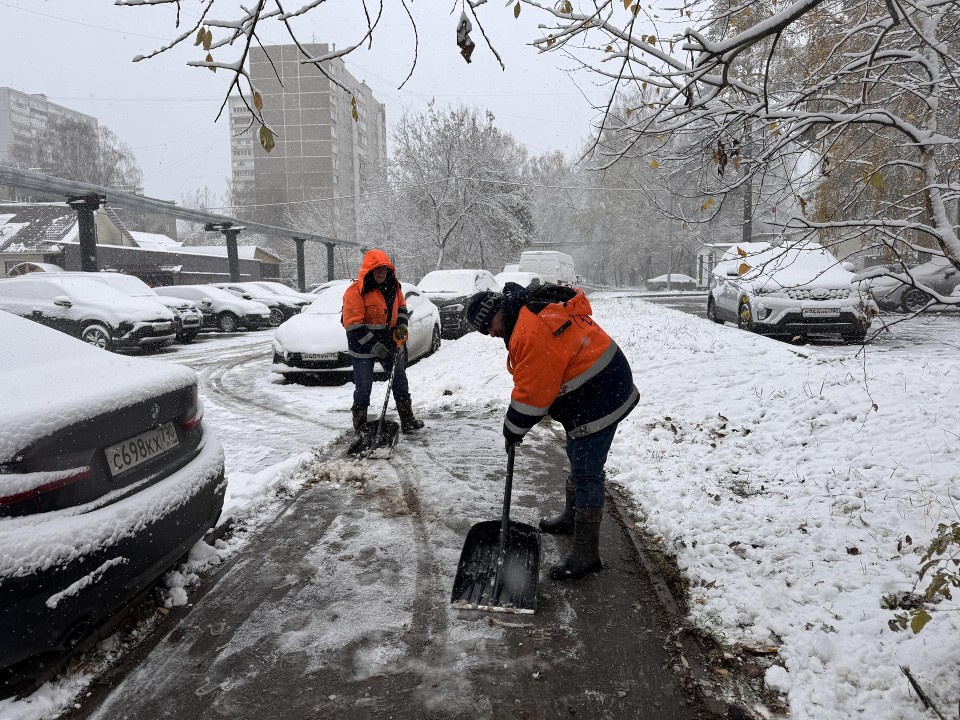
797, 487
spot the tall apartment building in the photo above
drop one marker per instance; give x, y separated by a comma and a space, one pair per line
321, 151
23, 116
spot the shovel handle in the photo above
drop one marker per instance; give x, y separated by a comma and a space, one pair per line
386, 400
507, 492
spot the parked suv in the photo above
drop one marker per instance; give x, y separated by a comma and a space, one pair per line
91, 311
107, 478
938, 275
221, 310
789, 290
450, 290
280, 308
187, 318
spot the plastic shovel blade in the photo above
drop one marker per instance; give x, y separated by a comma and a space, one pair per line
366, 443
483, 583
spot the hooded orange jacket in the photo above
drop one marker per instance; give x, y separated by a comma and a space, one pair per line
367, 316
564, 364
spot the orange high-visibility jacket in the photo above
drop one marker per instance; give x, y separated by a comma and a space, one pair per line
365, 307
564, 364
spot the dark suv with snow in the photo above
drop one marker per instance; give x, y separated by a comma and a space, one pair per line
91, 311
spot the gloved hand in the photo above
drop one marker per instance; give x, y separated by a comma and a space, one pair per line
381, 351
510, 438
400, 334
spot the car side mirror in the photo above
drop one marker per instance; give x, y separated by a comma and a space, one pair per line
950, 272
247, 297
206, 302
62, 301
848, 266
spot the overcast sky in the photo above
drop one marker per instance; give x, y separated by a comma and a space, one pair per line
79, 54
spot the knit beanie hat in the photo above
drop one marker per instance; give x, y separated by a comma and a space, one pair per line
481, 309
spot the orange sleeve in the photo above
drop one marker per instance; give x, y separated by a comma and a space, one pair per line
353, 307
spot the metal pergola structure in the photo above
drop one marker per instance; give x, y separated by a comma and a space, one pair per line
85, 198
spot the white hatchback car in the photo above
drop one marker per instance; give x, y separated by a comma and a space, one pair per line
790, 290
314, 342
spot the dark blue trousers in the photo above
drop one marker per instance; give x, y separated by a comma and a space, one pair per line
587, 457
363, 379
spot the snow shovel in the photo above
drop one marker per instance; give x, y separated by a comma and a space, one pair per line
382, 434
500, 563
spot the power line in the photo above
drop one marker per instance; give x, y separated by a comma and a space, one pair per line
425, 184
77, 22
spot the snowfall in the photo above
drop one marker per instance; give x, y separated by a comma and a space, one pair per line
797, 488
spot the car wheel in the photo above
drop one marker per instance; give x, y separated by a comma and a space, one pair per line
914, 300
435, 340
276, 317
712, 312
745, 316
97, 335
227, 322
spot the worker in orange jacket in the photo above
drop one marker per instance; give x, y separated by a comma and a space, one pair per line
563, 365
375, 317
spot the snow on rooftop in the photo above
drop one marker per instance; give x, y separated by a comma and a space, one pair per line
154, 241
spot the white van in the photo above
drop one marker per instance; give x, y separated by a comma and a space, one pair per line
552, 266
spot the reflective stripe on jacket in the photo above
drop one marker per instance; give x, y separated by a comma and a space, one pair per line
365, 314
564, 364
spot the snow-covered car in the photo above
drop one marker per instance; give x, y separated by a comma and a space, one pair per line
526, 279
315, 343
278, 288
221, 310
790, 290
107, 478
937, 274
187, 318
675, 281
450, 290
91, 311
280, 308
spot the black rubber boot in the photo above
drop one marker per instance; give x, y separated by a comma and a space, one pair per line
561, 524
359, 417
408, 422
584, 556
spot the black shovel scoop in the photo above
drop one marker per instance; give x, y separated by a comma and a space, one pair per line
500, 563
378, 436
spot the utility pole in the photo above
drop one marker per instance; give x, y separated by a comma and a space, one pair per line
747, 234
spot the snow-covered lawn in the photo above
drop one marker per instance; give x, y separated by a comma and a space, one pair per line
797, 487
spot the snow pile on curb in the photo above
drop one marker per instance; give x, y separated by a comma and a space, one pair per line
797, 491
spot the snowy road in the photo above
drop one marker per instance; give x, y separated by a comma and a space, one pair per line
340, 606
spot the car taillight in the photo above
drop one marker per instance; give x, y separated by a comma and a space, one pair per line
193, 417
59, 479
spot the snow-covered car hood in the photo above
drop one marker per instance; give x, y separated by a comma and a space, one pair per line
175, 303
312, 333
778, 269
51, 380
444, 299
